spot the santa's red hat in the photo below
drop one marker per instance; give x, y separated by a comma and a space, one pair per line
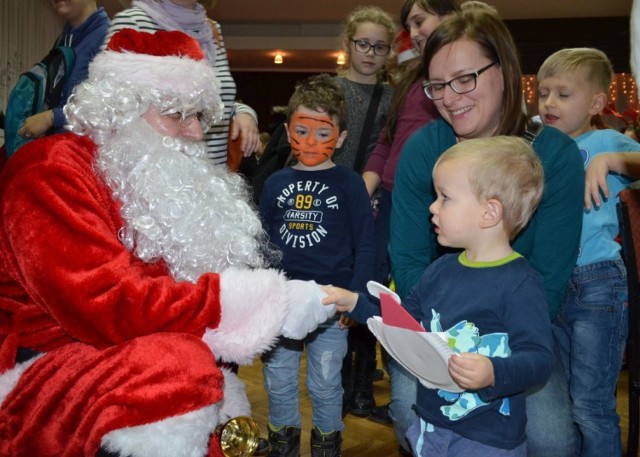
167, 61
404, 47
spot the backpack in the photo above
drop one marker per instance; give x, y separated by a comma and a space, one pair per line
37, 90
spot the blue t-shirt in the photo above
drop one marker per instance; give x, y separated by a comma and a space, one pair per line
323, 223
600, 225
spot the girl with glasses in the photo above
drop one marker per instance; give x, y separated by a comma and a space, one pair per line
368, 34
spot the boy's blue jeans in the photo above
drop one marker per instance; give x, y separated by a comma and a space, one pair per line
550, 431
326, 348
591, 330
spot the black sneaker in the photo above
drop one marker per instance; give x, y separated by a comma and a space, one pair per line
284, 441
380, 414
325, 444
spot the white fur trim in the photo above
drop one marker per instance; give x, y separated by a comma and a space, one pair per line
407, 54
234, 401
166, 74
254, 305
179, 436
9, 379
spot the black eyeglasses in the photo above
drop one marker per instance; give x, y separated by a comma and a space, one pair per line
378, 49
460, 84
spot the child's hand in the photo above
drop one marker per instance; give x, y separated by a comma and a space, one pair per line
471, 371
596, 181
345, 300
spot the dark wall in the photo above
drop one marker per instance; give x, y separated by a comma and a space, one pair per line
262, 90
536, 40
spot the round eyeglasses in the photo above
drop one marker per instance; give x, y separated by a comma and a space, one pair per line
460, 84
187, 119
378, 49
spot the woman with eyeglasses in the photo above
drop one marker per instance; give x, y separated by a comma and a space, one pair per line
473, 76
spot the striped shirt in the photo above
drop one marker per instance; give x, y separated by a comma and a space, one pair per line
217, 137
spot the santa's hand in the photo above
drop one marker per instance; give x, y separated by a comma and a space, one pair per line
305, 309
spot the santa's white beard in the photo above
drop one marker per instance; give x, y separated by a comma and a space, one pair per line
178, 206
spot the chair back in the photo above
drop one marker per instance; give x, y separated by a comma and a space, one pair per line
629, 215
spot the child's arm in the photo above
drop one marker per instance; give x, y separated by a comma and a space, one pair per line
372, 180
530, 345
362, 234
624, 163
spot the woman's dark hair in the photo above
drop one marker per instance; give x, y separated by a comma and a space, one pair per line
437, 8
484, 27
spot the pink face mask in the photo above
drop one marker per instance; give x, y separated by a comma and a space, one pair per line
313, 137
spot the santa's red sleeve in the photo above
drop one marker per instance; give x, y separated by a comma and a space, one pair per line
59, 237
124, 344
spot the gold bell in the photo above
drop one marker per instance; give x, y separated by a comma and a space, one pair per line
239, 437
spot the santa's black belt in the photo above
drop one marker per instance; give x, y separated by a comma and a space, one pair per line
25, 354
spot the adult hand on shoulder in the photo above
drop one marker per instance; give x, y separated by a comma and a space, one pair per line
471, 371
305, 309
245, 127
37, 125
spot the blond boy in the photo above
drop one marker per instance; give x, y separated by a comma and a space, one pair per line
487, 189
591, 326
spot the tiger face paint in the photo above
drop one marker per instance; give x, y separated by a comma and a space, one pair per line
314, 136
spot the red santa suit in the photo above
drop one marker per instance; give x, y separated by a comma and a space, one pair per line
120, 343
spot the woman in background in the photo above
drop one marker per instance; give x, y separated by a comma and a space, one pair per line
190, 16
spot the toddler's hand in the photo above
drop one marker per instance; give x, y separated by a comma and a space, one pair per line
345, 300
472, 371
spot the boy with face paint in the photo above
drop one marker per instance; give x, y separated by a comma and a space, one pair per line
319, 215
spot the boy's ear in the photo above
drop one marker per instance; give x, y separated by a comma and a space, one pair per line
341, 138
492, 213
598, 103
286, 129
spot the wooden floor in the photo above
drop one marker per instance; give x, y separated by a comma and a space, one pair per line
363, 437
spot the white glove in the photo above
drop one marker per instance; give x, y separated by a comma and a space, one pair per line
305, 309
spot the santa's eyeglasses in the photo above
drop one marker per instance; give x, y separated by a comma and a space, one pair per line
186, 119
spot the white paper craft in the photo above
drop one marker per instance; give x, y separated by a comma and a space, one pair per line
424, 354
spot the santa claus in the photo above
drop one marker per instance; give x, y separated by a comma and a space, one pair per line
129, 264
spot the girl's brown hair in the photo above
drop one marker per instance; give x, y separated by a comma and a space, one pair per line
437, 8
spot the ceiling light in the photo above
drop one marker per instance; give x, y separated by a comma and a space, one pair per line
278, 58
341, 59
